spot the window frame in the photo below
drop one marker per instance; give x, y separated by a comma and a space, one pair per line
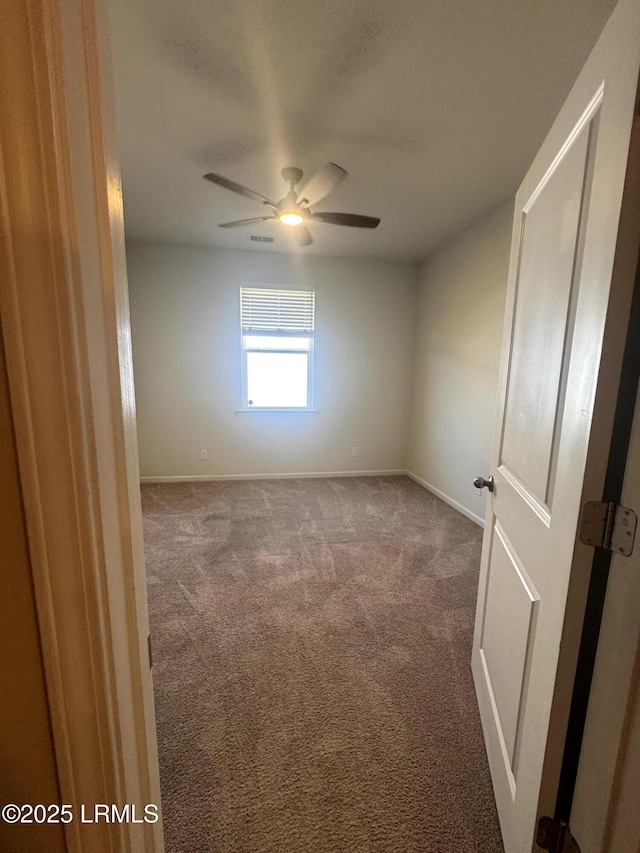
309, 351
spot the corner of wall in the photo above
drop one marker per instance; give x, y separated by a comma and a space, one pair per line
459, 319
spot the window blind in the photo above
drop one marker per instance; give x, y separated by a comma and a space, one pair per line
284, 312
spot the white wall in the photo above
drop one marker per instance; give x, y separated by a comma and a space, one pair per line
186, 348
459, 334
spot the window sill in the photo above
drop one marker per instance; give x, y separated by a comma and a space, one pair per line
243, 412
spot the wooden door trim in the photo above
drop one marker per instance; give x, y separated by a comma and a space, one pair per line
65, 327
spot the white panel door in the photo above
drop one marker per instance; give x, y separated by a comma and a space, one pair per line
571, 274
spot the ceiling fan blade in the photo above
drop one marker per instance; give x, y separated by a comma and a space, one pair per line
237, 188
245, 221
353, 219
302, 236
321, 183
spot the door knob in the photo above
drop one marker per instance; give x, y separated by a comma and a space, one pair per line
481, 483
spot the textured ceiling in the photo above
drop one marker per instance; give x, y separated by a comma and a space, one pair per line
435, 107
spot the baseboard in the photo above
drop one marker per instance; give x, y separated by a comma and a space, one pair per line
470, 515
203, 478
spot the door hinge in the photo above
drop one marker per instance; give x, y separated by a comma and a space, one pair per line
608, 525
555, 836
150, 651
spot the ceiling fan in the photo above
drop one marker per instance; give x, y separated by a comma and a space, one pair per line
294, 208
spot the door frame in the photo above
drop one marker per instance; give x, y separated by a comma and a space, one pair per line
65, 325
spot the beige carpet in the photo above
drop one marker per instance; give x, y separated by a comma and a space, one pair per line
311, 643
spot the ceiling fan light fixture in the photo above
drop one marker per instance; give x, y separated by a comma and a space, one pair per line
291, 218
294, 210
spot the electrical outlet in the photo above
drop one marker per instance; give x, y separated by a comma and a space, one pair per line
204, 455
354, 451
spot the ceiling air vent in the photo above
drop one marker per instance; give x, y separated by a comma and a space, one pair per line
257, 239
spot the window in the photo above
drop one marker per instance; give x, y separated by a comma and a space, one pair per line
277, 348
